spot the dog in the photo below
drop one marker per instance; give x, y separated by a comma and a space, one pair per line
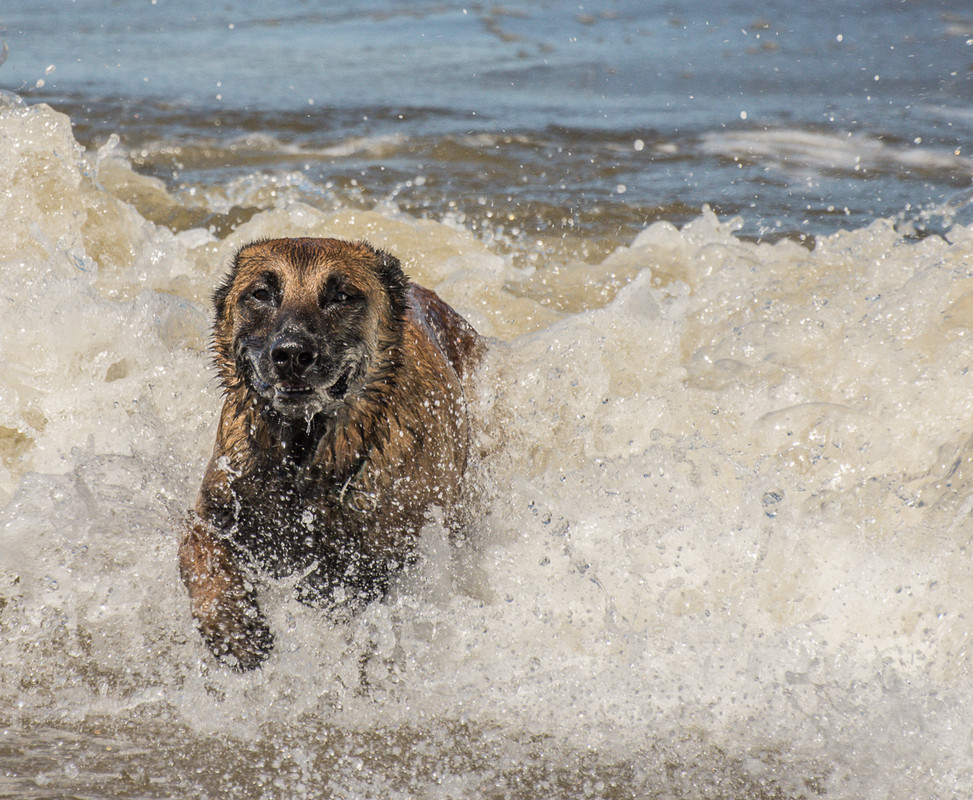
344, 421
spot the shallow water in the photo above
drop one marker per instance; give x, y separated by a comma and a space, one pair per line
726, 481
722, 551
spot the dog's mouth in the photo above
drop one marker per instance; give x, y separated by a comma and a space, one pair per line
299, 395
293, 393
293, 390
339, 388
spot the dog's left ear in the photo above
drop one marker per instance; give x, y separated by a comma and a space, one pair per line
395, 282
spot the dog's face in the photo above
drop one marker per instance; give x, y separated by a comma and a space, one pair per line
302, 322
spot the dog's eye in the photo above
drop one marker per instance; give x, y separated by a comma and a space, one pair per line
334, 296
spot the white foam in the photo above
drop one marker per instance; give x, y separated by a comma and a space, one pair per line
796, 151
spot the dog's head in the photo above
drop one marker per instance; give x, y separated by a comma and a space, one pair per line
303, 322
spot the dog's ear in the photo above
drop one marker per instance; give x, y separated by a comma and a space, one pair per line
221, 293
395, 282
223, 290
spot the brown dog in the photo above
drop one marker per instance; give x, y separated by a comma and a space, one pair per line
344, 421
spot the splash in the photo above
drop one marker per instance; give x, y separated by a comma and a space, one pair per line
722, 549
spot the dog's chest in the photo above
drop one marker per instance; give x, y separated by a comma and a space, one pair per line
283, 521
287, 522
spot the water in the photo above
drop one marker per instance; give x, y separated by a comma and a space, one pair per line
525, 120
725, 452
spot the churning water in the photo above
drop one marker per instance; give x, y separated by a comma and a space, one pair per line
726, 463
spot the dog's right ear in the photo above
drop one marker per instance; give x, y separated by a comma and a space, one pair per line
223, 290
221, 293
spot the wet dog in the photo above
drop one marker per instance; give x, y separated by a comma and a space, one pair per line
344, 422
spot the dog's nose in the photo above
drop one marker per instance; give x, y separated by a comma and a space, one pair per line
292, 354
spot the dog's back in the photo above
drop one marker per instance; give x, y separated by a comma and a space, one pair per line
462, 346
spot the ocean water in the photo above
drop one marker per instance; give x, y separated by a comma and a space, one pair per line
724, 256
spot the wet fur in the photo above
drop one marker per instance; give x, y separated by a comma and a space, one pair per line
344, 421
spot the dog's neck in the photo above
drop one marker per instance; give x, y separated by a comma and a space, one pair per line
297, 439
331, 442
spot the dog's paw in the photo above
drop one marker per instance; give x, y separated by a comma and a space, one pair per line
238, 636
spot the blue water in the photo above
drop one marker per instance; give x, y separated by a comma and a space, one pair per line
606, 64
802, 119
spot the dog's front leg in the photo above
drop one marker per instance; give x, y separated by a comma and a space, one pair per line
224, 604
